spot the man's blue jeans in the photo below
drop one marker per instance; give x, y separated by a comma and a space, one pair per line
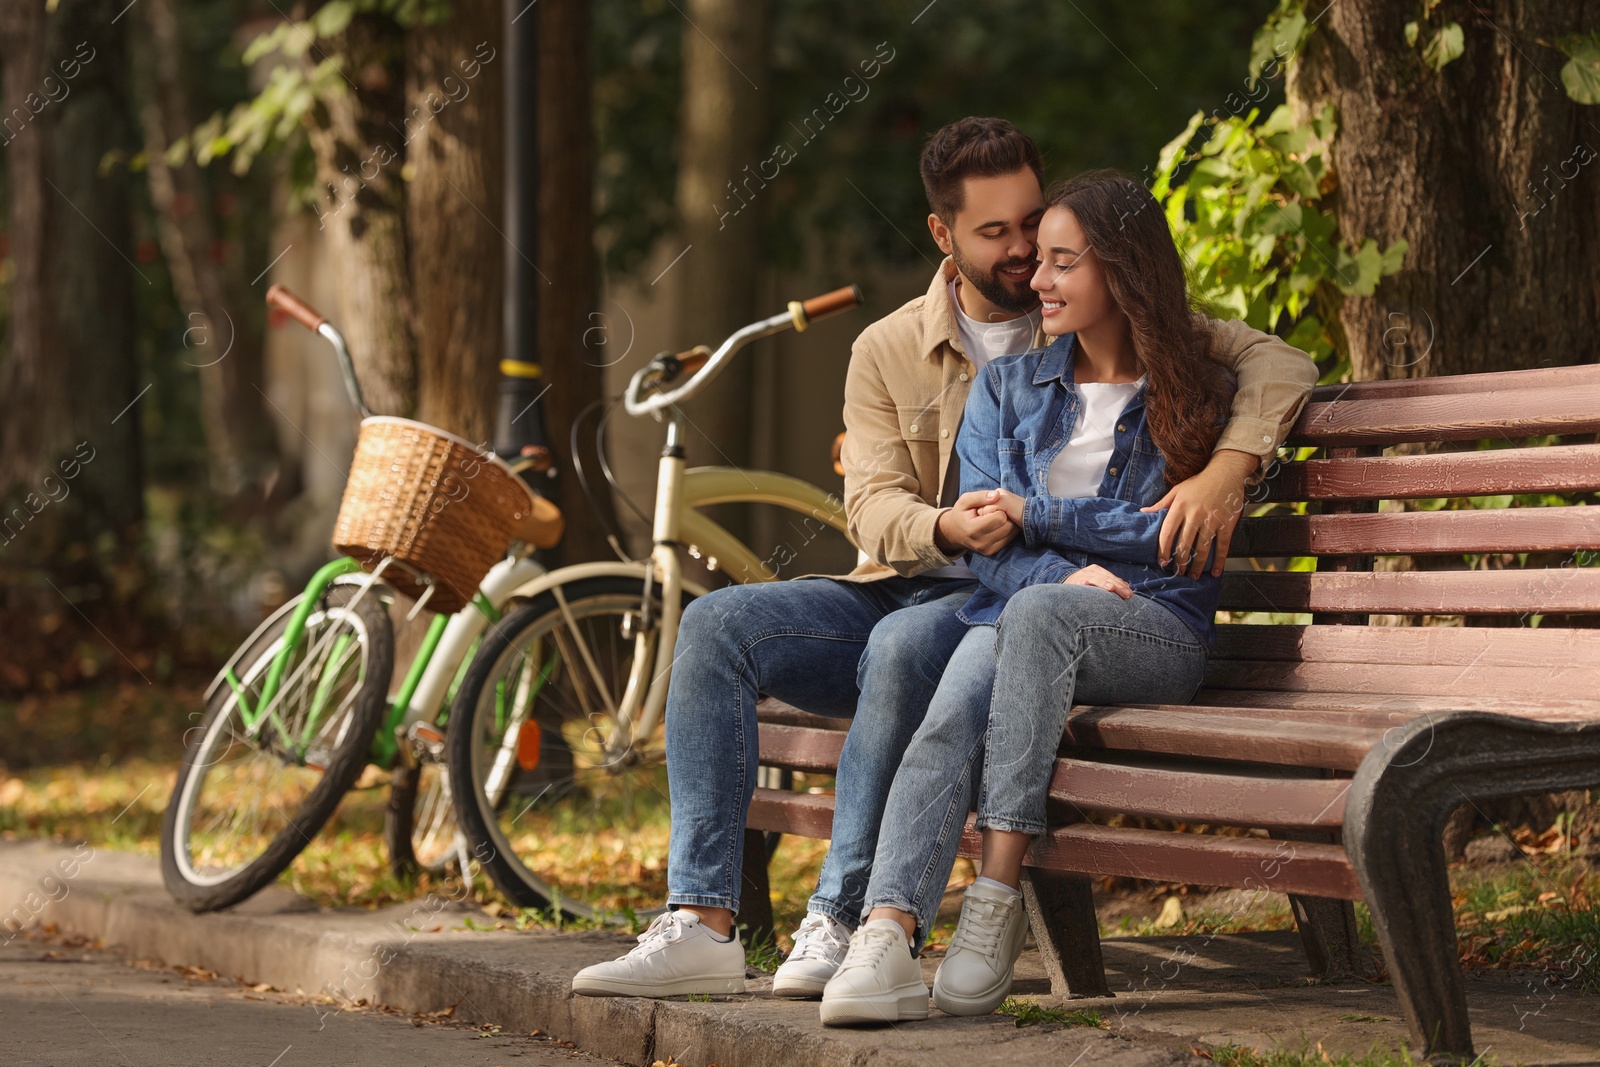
873, 651
999, 714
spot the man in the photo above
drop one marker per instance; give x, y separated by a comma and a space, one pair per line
872, 644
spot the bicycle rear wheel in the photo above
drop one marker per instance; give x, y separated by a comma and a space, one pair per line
554, 818
250, 797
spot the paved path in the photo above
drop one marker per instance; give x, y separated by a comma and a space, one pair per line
65, 1005
1172, 993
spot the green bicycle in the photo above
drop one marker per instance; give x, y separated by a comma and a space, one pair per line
304, 704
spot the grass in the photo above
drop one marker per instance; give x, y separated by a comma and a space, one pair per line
1030, 1013
1315, 1056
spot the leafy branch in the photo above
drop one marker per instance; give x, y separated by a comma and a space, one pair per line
1246, 209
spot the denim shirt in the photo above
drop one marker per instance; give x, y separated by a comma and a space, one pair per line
1019, 416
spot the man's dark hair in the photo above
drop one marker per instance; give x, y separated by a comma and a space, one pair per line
973, 148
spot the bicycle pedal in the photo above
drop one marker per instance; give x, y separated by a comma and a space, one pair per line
426, 742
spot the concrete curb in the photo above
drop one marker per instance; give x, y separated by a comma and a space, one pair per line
419, 958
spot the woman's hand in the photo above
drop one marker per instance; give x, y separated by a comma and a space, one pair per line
1004, 502
1100, 578
1204, 510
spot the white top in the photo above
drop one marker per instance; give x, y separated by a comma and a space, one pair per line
1081, 464
983, 341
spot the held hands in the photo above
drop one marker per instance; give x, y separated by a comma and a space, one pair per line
1204, 508
972, 524
1008, 505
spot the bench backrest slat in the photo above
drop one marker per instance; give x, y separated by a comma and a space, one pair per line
1423, 532
1551, 469
1413, 645
1555, 590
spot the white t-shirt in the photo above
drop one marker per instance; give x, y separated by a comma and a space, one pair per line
1081, 464
982, 341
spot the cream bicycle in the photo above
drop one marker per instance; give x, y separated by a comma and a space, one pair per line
556, 741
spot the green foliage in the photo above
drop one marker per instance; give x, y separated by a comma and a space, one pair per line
1245, 208
1315, 1056
1581, 74
762, 952
1439, 45
1030, 1013
274, 120
1280, 36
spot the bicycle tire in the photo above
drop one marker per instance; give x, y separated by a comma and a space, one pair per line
564, 759
410, 856
343, 754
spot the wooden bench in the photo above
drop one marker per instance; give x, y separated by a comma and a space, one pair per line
1349, 742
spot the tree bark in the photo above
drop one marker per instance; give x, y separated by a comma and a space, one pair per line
455, 107
69, 442
724, 121
359, 141
1478, 167
576, 339
239, 437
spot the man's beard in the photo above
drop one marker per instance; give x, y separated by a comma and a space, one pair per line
995, 287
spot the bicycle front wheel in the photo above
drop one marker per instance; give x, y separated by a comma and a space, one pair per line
556, 814
257, 783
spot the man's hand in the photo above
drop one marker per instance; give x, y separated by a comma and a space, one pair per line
1100, 578
1204, 508
965, 527
1004, 502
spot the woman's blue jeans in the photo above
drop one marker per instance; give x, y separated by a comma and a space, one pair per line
874, 651
999, 714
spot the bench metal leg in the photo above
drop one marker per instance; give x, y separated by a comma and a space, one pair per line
1327, 925
1328, 932
1399, 803
755, 894
1061, 912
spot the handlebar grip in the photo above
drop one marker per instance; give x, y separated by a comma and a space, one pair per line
297, 309
819, 307
676, 364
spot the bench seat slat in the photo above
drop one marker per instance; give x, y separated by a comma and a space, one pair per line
1541, 529
1393, 707
1509, 592
1187, 796
1551, 469
1202, 859
1202, 732
801, 748
1197, 859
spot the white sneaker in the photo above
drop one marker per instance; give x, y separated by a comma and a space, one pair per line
677, 955
819, 948
879, 980
976, 973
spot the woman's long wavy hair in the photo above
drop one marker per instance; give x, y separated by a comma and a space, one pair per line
1189, 393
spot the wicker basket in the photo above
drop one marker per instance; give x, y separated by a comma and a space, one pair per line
438, 505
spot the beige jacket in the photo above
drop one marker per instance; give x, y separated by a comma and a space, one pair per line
905, 392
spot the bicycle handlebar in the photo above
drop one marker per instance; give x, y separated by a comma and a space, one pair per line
820, 307
315, 321
704, 365
297, 309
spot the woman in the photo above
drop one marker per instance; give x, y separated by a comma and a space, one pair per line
1075, 441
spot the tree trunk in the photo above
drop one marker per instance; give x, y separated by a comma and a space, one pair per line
69, 442
724, 113
239, 437
576, 340
455, 103
359, 139
1487, 168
